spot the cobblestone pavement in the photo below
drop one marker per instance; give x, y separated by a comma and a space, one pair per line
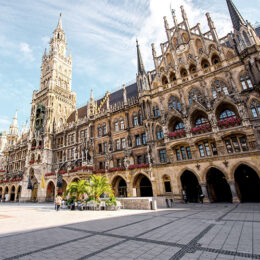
193, 231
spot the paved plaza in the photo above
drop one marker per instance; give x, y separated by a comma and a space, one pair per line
192, 231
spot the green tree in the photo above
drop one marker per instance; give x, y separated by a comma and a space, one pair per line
99, 185
78, 188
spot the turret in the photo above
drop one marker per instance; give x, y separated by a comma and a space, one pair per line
185, 20
212, 28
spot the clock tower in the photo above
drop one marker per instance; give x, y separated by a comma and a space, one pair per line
51, 106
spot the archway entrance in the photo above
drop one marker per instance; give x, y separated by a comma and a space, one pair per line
12, 195
64, 187
19, 193
6, 196
247, 184
191, 186
34, 192
143, 186
1, 193
219, 189
50, 193
119, 187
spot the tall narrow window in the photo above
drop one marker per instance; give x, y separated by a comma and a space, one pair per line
163, 156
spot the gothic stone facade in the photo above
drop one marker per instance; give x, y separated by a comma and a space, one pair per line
192, 124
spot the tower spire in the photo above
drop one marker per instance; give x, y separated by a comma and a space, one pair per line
60, 23
140, 63
236, 17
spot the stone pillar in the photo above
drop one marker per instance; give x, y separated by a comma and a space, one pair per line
232, 185
205, 191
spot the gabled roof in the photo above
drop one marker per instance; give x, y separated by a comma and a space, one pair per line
115, 97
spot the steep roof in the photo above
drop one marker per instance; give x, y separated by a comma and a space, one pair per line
114, 97
236, 17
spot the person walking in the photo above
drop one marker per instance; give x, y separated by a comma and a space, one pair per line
185, 197
58, 202
201, 198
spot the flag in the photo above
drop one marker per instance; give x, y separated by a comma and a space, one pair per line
42, 182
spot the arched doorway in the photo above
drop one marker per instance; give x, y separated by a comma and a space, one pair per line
120, 187
64, 187
12, 195
50, 193
218, 188
247, 184
191, 186
34, 192
1, 193
18, 196
6, 196
143, 186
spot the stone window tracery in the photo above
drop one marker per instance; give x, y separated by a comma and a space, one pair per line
246, 81
174, 102
195, 95
218, 86
255, 108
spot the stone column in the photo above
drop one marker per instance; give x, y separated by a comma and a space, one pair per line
232, 185
205, 191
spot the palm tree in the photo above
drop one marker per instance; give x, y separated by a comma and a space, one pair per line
78, 188
98, 186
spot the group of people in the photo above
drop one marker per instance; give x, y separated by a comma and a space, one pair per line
185, 198
4, 198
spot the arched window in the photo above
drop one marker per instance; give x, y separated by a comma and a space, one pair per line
204, 64
156, 111
255, 108
135, 120
179, 126
201, 121
227, 114
219, 86
169, 60
192, 69
184, 73
159, 133
172, 77
122, 124
174, 102
116, 126
195, 95
185, 37
246, 38
164, 80
246, 81
215, 59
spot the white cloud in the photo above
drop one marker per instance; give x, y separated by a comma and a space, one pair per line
27, 54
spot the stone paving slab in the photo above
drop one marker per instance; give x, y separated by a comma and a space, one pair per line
190, 231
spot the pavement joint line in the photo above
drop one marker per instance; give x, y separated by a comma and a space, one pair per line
47, 248
178, 219
192, 244
237, 220
228, 252
101, 250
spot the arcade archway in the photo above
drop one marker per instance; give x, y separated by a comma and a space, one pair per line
120, 187
191, 186
12, 195
218, 188
6, 194
247, 184
50, 193
34, 196
143, 186
64, 187
19, 191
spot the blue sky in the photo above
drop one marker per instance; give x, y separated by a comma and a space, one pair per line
101, 36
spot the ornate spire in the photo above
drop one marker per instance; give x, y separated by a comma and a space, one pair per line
236, 17
60, 23
140, 63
